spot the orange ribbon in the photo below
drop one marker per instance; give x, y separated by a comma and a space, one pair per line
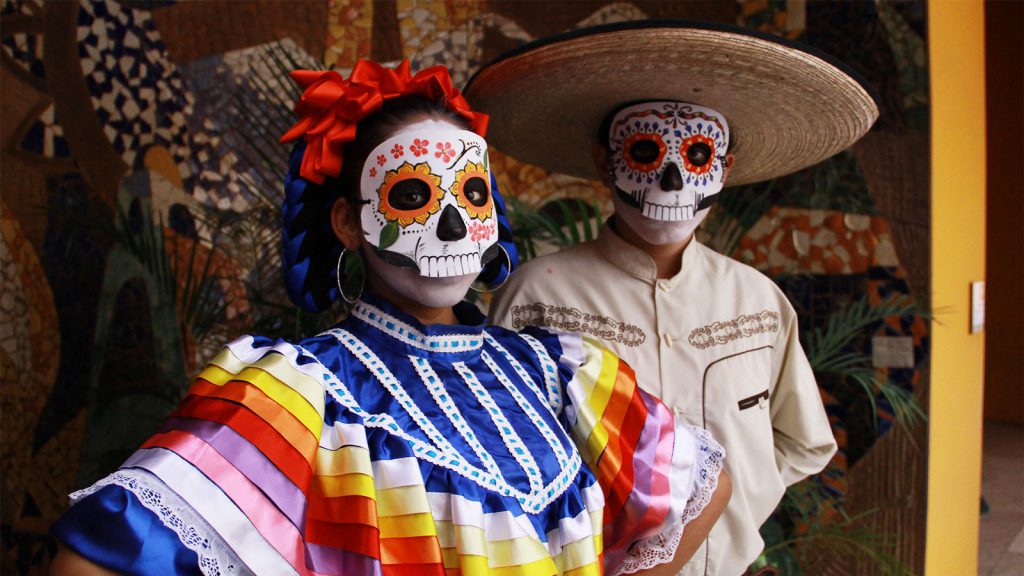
331, 107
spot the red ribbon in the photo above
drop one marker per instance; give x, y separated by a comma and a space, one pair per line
331, 107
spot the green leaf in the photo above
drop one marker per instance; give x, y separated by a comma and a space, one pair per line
388, 236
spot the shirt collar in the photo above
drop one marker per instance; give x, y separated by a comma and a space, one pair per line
382, 317
636, 262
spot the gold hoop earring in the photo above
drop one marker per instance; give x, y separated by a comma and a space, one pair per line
337, 278
492, 289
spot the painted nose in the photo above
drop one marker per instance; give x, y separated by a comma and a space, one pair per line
671, 178
451, 227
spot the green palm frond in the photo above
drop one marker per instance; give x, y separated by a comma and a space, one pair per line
191, 285
828, 351
800, 534
558, 224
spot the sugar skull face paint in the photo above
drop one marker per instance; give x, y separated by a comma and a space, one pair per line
428, 201
668, 158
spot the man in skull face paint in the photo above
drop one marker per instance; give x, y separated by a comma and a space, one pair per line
718, 338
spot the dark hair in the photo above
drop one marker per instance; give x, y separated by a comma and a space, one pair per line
311, 249
394, 115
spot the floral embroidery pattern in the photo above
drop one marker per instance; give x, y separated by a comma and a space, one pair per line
744, 326
373, 172
397, 151
570, 319
479, 231
419, 147
381, 160
445, 151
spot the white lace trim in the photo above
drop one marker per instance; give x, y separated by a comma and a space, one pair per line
549, 434
436, 388
551, 378
405, 332
215, 557
515, 445
533, 503
661, 548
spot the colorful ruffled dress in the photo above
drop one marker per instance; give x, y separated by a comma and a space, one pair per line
386, 447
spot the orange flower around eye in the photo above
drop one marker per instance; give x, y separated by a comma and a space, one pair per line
410, 194
472, 190
644, 151
698, 152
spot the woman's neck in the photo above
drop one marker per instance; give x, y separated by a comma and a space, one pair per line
425, 314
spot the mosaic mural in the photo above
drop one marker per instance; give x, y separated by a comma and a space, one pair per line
139, 233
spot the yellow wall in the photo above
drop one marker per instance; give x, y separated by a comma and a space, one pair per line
957, 56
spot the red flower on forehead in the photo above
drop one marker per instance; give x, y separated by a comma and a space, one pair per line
331, 107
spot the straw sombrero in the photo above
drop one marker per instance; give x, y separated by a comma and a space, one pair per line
788, 105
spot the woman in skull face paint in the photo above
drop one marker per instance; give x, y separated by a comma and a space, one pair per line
411, 438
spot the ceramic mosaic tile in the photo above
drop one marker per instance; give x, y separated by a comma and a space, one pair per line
29, 349
25, 48
796, 240
230, 89
349, 32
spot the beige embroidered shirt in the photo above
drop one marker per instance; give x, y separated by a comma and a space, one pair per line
717, 342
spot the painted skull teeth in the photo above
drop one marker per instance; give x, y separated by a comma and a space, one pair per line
668, 213
668, 158
450, 265
428, 200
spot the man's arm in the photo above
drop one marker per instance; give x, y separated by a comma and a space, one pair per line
804, 443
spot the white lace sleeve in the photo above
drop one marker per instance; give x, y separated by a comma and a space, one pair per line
215, 557
661, 548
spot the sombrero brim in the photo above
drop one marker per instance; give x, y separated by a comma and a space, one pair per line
788, 106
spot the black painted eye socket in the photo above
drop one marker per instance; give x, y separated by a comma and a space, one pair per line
698, 154
475, 191
644, 151
409, 194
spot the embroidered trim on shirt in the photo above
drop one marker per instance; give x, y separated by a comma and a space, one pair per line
532, 503
516, 447
554, 387
444, 401
542, 427
571, 319
407, 333
744, 326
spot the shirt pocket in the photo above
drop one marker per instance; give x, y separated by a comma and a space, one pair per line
739, 385
737, 391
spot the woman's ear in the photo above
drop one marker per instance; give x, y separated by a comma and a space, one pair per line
345, 223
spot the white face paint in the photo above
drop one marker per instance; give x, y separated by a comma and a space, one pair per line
668, 159
428, 201
657, 231
434, 292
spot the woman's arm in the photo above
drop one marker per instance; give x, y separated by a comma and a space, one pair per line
69, 563
696, 531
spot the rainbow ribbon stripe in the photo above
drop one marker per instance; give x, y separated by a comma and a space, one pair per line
261, 466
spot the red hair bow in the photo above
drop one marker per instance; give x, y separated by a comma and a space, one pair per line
331, 107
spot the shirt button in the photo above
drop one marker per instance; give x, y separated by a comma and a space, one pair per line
678, 411
667, 338
663, 285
